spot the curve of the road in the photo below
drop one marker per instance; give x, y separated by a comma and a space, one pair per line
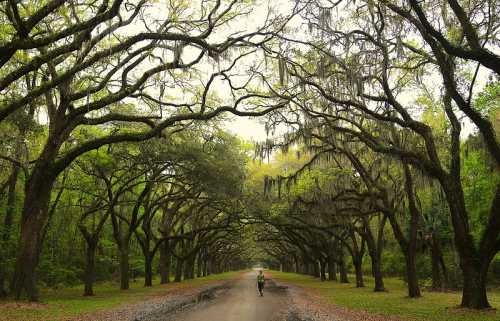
240, 303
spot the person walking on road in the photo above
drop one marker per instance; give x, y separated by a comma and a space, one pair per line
260, 282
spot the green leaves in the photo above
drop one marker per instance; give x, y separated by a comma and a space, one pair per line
479, 182
488, 101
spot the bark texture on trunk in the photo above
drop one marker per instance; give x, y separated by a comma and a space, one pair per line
91, 242
357, 252
192, 266
27, 260
323, 270
165, 262
124, 268
3, 291
90, 268
332, 269
475, 258
439, 272
315, 269
410, 251
375, 251
206, 267
377, 272
199, 265
474, 262
343, 272
34, 216
296, 264
148, 270
411, 276
178, 270
474, 293
358, 262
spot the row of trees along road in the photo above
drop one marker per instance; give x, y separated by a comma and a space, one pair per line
386, 92
169, 206
76, 76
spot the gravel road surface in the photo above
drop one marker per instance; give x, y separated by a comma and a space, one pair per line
241, 303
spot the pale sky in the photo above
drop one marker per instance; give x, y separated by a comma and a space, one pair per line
247, 128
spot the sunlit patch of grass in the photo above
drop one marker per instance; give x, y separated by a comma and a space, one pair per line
432, 306
68, 303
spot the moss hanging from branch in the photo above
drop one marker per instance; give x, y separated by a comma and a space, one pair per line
282, 69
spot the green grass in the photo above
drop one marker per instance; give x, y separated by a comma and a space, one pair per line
68, 303
432, 306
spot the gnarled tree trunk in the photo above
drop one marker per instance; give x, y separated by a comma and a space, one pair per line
439, 274
34, 216
473, 262
358, 262
199, 264
315, 269
474, 290
165, 262
411, 245
332, 268
124, 267
357, 254
411, 275
375, 251
89, 277
343, 270
323, 269
189, 268
148, 269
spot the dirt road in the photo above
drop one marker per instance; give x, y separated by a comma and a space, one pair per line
240, 303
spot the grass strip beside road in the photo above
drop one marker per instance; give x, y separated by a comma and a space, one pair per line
432, 306
68, 303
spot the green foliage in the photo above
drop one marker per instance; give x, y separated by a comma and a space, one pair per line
136, 265
479, 181
488, 101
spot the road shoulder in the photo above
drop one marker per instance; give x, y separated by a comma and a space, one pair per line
159, 307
